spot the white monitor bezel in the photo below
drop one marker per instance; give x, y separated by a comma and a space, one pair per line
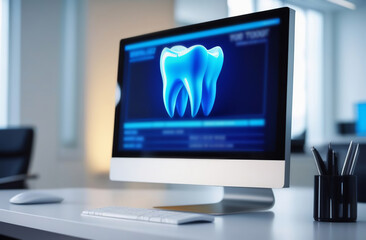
213, 172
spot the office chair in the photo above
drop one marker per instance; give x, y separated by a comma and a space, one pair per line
15, 155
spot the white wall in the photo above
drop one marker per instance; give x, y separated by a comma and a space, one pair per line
108, 22
41, 45
39, 92
193, 11
350, 67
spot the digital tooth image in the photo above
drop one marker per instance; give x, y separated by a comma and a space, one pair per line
190, 73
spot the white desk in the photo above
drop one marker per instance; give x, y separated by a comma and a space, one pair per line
290, 218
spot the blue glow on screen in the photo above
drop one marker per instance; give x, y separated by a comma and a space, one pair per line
202, 34
217, 93
196, 124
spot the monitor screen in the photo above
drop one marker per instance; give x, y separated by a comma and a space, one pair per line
213, 90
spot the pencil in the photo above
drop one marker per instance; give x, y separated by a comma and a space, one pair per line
319, 162
354, 160
347, 160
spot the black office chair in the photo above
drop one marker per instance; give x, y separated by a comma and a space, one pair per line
15, 155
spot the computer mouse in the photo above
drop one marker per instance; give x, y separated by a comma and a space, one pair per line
35, 197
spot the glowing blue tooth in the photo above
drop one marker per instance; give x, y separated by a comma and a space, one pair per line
171, 86
190, 73
183, 66
214, 65
182, 101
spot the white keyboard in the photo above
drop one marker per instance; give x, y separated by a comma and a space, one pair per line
148, 215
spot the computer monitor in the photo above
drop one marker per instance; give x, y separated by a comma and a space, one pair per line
207, 104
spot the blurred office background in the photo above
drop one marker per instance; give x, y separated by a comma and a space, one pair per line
58, 71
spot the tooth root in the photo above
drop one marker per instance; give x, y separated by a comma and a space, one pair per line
194, 89
170, 94
208, 98
196, 61
182, 101
214, 65
171, 85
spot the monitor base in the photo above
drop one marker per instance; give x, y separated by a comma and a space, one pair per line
235, 200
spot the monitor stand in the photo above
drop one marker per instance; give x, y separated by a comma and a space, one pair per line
235, 200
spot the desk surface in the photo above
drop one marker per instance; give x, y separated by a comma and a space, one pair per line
290, 218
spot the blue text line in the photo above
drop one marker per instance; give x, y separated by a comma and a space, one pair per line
196, 124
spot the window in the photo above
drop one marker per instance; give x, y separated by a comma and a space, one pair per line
4, 29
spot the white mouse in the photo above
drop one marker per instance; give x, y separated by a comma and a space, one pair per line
35, 197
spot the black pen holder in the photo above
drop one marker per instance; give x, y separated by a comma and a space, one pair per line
335, 198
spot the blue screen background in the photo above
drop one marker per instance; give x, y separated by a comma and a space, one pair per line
247, 89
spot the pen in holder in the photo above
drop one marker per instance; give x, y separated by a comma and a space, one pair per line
335, 198
335, 192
